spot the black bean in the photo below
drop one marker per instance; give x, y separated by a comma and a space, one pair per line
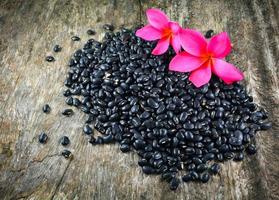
251, 149
68, 112
205, 177
238, 157
124, 148
43, 138
67, 93
201, 168
174, 183
108, 139
148, 170
91, 32
187, 178
50, 59
65, 141
67, 154
108, 27
265, 125
194, 175
75, 38
57, 48
87, 129
152, 103
69, 101
76, 102
46, 108
209, 34
215, 168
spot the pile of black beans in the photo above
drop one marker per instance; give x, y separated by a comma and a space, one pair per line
131, 98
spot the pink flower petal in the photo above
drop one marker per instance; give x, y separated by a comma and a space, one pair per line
219, 45
226, 71
193, 42
175, 27
162, 46
201, 76
175, 43
185, 62
149, 33
157, 18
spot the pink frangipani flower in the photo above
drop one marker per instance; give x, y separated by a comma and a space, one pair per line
162, 29
202, 57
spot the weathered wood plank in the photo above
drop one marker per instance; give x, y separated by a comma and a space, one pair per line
29, 30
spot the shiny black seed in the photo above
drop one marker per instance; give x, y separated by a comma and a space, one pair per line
209, 34
69, 101
201, 168
187, 178
76, 102
99, 140
43, 138
125, 148
251, 149
92, 140
46, 108
68, 112
152, 103
108, 139
148, 170
168, 176
183, 116
66, 153
87, 129
194, 175
67, 93
57, 48
265, 125
50, 59
205, 177
161, 109
108, 27
136, 122
91, 32
174, 183
215, 168
64, 141
238, 157
75, 38
145, 115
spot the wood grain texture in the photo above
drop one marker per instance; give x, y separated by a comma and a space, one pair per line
29, 30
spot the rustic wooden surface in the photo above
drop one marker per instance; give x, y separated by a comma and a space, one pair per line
28, 31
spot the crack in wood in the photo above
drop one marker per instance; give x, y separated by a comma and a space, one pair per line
60, 181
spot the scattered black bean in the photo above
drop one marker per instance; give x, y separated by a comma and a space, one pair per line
209, 34
66, 153
91, 32
132, 98
205, 177
251, 149
57, 48
68, 112
65, 141
87, 129
50, 59
215, 168
43, 138
46, 108
108, 27
174, 183
69, 101
75, 38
